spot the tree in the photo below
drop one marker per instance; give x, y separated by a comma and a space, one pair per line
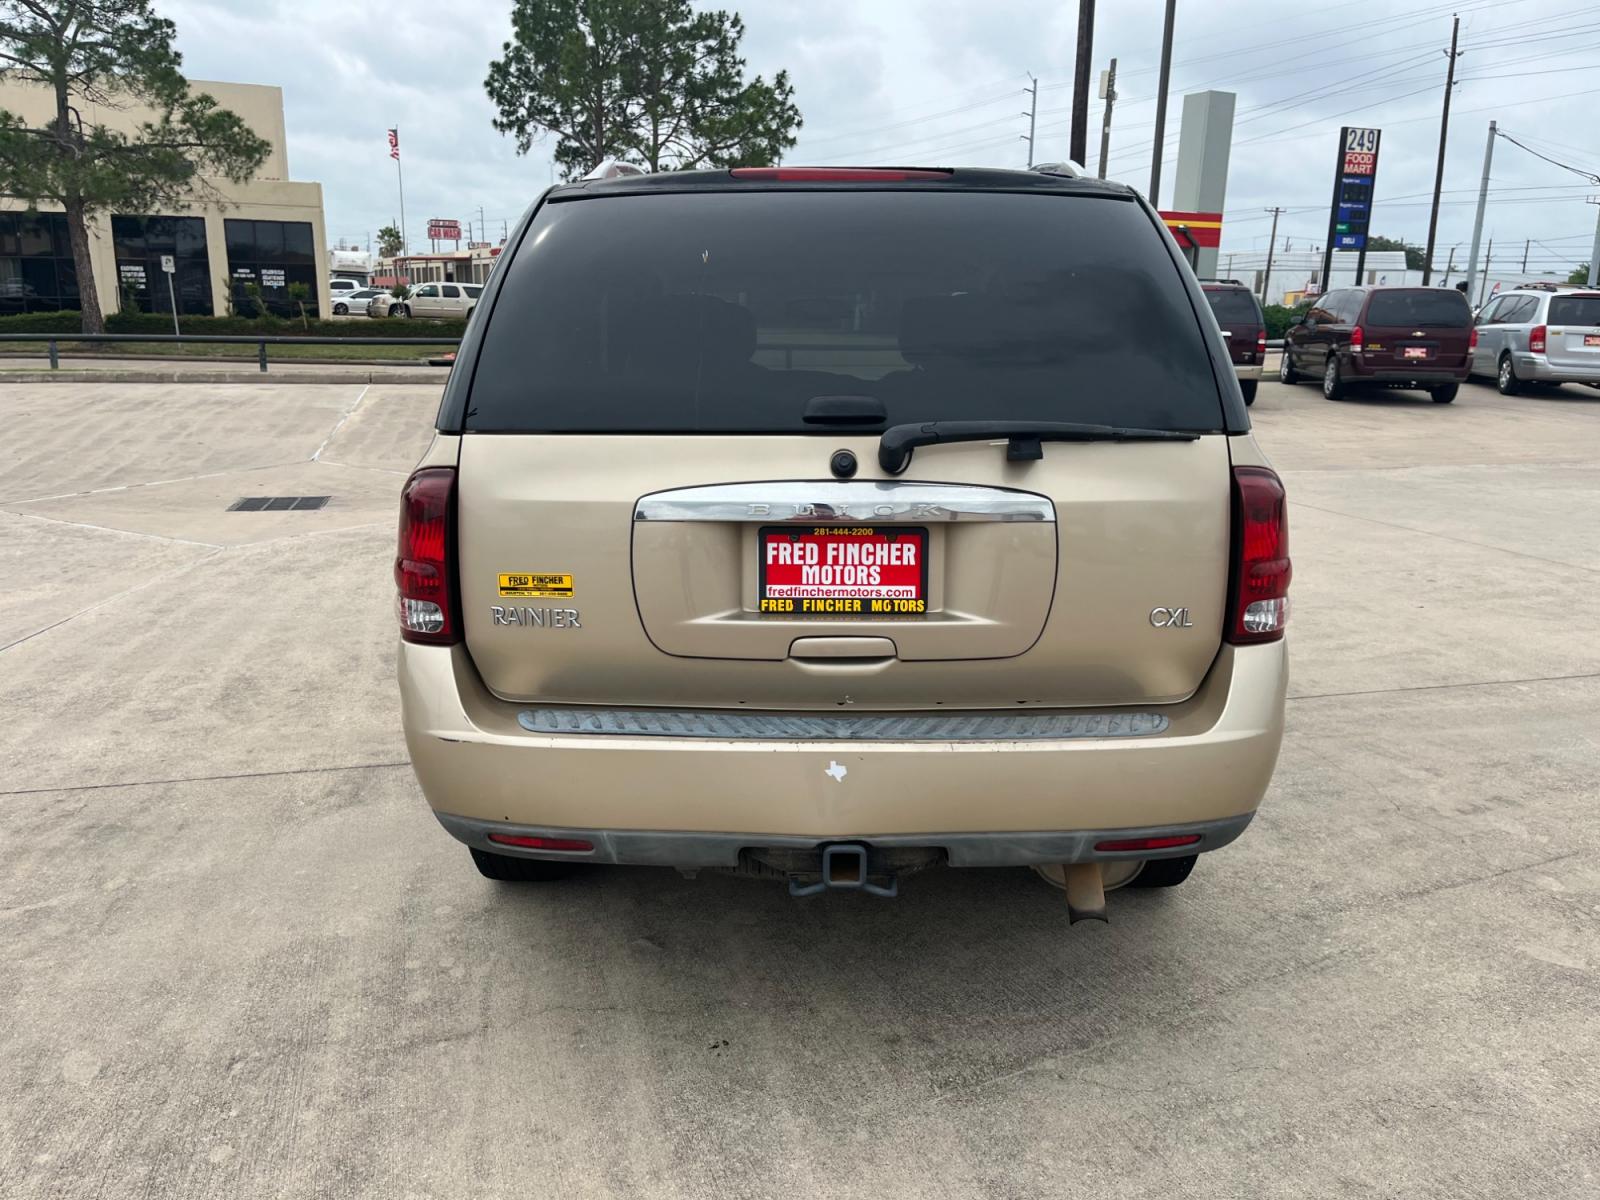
1580, 274
389, 241
300, 293
110, 54
1413, 253
648, 81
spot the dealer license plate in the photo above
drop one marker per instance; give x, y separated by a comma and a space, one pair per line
848, 571
1416, 352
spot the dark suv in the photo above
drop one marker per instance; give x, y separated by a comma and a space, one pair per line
1396, 337
1239, 315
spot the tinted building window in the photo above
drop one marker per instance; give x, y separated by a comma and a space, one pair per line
139, 243
272, 255
36, 271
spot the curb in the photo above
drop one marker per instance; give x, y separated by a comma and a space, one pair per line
434, 376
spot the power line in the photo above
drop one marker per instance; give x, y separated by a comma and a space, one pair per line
1589, 175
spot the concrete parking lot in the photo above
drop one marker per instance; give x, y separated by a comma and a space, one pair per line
241, 958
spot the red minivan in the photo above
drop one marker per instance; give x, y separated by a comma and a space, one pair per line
1239, 315
1397, 337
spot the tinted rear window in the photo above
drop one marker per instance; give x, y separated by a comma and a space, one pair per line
724, 312
1421, 306
1575, 310
1234, 306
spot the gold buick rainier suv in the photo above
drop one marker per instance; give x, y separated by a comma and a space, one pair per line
830, 524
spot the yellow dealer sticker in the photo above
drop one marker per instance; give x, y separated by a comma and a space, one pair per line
530, 586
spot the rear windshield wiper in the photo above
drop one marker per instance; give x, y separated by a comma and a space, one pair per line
894, 449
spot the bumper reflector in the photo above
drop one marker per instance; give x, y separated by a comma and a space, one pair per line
542, 843
1149, 843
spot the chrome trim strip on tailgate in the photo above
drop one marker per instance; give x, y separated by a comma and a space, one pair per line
822, 502
854, 727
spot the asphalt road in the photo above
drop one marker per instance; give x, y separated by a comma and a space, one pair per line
241, 959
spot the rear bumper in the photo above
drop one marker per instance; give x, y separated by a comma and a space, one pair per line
667, 848
1538, 367
1207, 767
1245, 371
1366, 373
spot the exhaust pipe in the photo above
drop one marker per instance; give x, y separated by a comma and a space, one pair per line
1086, 892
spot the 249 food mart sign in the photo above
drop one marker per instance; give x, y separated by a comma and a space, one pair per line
1352, 194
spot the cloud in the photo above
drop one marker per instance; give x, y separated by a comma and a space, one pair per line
942, 81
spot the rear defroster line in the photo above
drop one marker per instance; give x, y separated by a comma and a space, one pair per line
828, 727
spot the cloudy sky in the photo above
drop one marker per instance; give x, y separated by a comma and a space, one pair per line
942, 82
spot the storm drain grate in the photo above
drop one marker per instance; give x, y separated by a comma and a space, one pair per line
277, 503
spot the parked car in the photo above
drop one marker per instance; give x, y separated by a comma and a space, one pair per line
1539, 333
343, 301
987, 572
440, 300
387, 304
1395, 337
1244, 325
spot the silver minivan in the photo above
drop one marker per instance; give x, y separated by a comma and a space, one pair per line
1539, 333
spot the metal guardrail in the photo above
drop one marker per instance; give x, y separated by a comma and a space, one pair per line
259, 341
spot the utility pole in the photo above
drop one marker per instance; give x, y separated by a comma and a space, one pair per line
1266, 280
1444, 128
1594, 251
1161, 102
1108, 93
1450, 266
483, 234
1483, 199
1032, 114
1079, 152
1488, 257
1525, 245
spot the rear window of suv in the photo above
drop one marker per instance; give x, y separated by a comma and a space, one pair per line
1575, 310
727, 312
1235, 305
1419, 306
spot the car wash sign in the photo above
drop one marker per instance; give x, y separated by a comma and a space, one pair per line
1352, 192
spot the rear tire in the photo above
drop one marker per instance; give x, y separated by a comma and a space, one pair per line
1445, 394
1248, 387
1332, 385
1506, 377
503, 868
1286, 371
1159, 872
341, 310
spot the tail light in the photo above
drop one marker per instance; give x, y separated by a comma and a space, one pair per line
1358, 339
1536, 337
1261, 344
1472, 340
424, 567
1259, 595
